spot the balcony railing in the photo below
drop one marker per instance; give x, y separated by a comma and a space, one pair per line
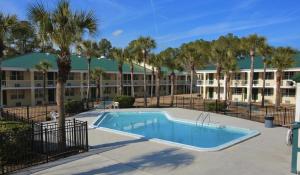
16, 83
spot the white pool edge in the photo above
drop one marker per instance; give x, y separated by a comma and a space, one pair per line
252, 134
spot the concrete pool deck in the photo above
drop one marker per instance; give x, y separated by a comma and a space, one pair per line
112, 153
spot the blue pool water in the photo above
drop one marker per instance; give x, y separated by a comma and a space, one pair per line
161, 126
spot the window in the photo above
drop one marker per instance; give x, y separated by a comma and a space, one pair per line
269, 76
288, 92
71, 76
38, 76
237, 76
269, 91
16, 75
39, 93
70, 92
18, 94
288, 75
237, 91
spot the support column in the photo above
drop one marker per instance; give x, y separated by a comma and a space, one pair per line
81, 86
248, 87
32, 89
204, 86
101, 86
224, 87
296, 134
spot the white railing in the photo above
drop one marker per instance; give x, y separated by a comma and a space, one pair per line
16, 83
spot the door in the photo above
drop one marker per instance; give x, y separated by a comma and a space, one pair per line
51, 95
254, 94
4, 98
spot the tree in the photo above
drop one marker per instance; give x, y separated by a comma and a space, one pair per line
23, 37
194, 55
104, 47
7, 22
119, 55
96, 75
282, 58
64, 28
265, 52
88, 49
251, 45
170, 56
43, 67
157, 61
144, 45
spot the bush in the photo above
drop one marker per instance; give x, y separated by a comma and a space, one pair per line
15, 140
211, 106
125, 101
73, 107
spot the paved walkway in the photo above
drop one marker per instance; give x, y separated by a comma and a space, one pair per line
113, 154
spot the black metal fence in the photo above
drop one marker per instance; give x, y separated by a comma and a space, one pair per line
282, 116
39, 143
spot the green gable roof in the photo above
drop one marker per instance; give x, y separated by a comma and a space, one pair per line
28, 61
258, 63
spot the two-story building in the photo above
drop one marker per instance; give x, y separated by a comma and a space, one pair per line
22, 84
240, 79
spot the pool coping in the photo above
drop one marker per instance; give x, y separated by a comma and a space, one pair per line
252, 133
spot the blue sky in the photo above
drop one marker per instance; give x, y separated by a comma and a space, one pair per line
173, 22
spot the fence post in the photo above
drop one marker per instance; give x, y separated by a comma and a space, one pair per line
176, 100
86, 137
182, 102
216, 106
27, 107
42, 139
250, 110
46, 113
266, 110
46, 144
284, 117
74, 125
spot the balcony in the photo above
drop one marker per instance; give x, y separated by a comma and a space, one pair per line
15, 84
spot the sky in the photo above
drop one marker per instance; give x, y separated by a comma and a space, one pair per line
173, 22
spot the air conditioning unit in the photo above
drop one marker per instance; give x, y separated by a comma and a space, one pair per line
18, 104
17, 85
235, 99
268, 84
69, 84
287, 102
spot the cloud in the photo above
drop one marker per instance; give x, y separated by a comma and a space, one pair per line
117, 32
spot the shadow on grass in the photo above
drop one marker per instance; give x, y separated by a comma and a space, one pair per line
168, 158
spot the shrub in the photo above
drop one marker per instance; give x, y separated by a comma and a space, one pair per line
125, 101
15, 140
73, 107
211, 106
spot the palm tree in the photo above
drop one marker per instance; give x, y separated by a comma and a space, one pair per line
43, 67
131, 57
65, 28
265, 52
251, 45
171, 62
194, 55
104, 47
88, 49
157, 61
119, 55
282, 58
96, 75
144, 45
7, 22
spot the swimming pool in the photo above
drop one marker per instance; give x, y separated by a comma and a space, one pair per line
161, 127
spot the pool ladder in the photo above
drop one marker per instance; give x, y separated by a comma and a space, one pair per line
202, 117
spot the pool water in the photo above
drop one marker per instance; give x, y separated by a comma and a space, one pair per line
159, 125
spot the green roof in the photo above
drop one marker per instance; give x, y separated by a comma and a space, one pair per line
244, 63
28, 61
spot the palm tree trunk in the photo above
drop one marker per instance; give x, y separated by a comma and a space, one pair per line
60, 94
98, 88
191, 84
218, 80
152, 77
145, 86
263, 88
278, 91
132, 82
172, 87
120, 67
44, 87
157, 87
88, 79
1, 57
251, 76
226, 88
